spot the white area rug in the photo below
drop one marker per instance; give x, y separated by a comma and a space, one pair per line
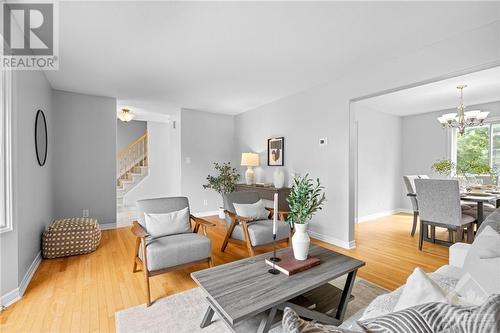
182, 313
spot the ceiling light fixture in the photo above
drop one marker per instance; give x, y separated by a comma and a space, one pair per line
125, 115
462, 119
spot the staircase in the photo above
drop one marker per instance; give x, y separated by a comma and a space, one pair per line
132, 167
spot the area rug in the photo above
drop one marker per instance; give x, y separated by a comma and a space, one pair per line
182, 312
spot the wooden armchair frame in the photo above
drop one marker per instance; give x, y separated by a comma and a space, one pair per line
245, 221
140, 242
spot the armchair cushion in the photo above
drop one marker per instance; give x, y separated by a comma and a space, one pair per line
261, 232
176, 250
255, 211
177, 222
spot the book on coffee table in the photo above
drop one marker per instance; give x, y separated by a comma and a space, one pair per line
289, 265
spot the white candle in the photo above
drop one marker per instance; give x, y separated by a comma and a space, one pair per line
275, 206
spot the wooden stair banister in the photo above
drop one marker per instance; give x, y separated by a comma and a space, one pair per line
134, 156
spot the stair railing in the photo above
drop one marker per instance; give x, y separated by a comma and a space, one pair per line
132, 157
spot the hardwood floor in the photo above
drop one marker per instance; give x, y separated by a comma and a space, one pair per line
82, 293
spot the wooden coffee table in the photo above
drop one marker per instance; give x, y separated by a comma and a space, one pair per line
244, 289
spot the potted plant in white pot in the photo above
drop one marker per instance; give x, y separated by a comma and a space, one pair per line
305, 199
224, 182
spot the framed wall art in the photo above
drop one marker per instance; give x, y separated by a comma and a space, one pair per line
276, 151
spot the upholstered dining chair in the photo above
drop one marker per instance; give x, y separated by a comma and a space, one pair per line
179, 245
253, 233
439, 206
411, 193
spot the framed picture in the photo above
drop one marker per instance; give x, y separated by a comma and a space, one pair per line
276, 151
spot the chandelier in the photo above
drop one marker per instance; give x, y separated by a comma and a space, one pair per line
125, 115
462, 118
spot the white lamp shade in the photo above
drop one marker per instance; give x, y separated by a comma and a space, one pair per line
482, 115
250, 159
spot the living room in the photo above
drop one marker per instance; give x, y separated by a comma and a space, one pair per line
278, 80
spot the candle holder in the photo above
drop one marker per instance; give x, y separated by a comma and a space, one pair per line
274, 259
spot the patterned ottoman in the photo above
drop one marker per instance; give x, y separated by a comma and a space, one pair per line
69, 237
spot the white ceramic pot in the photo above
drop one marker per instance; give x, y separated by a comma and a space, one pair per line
301, 241
279, 178
222, 215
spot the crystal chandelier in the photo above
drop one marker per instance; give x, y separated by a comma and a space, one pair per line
462, 119
125, 115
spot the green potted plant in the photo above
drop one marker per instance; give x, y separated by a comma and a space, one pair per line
224, 182
305, 199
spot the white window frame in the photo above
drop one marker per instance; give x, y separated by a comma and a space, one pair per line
6, 193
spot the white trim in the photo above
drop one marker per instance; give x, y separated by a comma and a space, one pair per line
29, 274
332, 240
6, 124
368, 218
207, 213
108, 226
10, 298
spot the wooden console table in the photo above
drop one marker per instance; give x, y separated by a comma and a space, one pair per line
268, 194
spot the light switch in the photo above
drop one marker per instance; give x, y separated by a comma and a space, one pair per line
323, 141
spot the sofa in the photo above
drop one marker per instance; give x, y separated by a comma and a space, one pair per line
446, 277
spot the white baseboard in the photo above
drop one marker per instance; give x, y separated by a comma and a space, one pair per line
207, 213
29, 274
107, 226
333, 240
368, 218
16, 294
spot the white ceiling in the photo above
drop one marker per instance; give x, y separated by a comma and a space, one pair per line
482, 87
230, 57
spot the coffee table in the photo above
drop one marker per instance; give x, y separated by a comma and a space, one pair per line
244, 289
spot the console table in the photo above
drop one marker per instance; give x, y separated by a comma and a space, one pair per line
268, 194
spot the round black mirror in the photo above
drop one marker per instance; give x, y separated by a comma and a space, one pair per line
41, 141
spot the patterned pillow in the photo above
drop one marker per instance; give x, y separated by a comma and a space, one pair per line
292, 323
440, 317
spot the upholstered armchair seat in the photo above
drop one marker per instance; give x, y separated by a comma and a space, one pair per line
261, 232
174, 250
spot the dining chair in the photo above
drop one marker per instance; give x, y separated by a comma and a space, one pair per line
175, 250
410, 189
439, 206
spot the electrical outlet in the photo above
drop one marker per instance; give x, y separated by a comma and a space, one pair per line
86, 213
205, 202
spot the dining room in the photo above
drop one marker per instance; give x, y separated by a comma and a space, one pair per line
429, 155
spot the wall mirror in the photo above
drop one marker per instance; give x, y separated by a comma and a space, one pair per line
41, 141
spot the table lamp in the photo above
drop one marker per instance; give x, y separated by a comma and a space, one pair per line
250, 160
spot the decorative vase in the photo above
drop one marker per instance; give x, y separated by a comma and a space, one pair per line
279, 178
301, 241
222, 215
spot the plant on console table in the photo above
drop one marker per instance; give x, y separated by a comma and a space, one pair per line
305, 199
224, 182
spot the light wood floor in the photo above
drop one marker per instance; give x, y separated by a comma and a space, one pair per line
82, 293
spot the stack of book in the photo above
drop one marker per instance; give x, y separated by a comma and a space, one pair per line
289, 265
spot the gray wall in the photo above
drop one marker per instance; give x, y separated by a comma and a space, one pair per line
379, 162
205, 138
126, 133
33, 204
424, 141
84, 151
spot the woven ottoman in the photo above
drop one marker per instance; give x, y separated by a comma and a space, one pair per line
69, 237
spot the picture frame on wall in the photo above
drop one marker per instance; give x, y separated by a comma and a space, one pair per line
276, 151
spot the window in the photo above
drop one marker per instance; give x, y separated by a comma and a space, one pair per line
5, 151
480, 144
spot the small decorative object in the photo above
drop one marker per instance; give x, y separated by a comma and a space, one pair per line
225, 182
276, 151
305, 199
250, 160
125, 115
41, 140
274, 259
279, 178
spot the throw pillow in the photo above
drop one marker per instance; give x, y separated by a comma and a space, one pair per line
255, 211
440, 317
292, 323
482, 261
159, 225
419, 289
469, 291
